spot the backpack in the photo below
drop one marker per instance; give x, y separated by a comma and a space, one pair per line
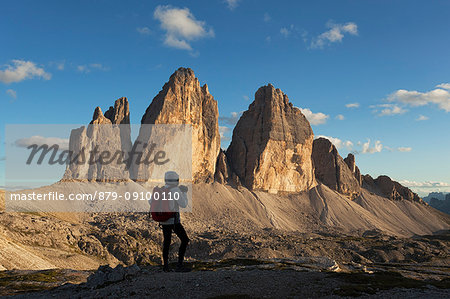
159, 208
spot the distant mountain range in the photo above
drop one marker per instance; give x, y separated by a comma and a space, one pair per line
439, 200
437, 195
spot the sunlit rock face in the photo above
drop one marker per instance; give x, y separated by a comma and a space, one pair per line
183, 101
272, 144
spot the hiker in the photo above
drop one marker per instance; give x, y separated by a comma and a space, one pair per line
169, 216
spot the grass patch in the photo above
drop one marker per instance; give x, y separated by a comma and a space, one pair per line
39, 276
351, 238
12, 282
25, 288
214, 265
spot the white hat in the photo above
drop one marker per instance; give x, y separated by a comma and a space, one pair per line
171, 178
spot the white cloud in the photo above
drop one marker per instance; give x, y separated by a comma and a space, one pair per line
424, 188
98, 66
232, 4
222, 131
21, 70
338, 143
439, 96
363, 148
367, 149
173, 42
246, 98
284, 32
334, 35
180, 26
292, 31
318, 118
12, 93
404, 149
268, 39
387, 109
352, 105
267, 17
144, 30
426, 184
304, 35
348, 144
225, 136
392, 110
39, 140
422, 117
87, 68
340, 117
230, 120
60, 65
443, 85
83, 68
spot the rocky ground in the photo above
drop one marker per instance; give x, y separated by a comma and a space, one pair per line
134, 239
233, 278
253, 263
228, 222
230, 254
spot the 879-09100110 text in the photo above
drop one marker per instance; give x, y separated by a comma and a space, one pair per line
97, 195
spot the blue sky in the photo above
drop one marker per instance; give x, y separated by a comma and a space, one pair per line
372, 75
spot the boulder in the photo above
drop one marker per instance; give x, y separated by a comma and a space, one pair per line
106, 275
272, 144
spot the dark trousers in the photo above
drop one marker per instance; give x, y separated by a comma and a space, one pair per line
181, 233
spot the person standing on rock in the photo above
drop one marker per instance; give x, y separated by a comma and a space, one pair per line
167, 213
